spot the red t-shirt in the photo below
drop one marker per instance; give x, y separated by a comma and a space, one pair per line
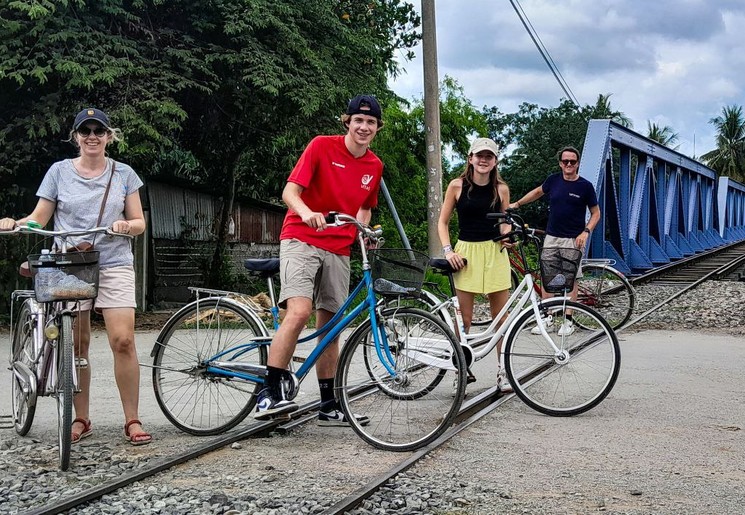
333, 180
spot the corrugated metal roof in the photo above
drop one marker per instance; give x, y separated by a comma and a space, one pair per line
177, 212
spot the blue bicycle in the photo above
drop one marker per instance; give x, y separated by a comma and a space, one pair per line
402, 367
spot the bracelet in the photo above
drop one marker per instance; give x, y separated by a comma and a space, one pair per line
446, 249
587, 230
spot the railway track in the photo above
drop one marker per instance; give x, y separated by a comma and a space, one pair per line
687, 274
684, 275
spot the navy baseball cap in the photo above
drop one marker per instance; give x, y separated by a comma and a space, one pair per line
365, 104
91, 113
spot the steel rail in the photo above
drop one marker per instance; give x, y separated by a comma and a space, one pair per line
163, 464
700, 274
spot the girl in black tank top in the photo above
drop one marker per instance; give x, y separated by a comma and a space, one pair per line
479, 190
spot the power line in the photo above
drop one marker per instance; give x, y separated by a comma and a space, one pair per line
543, 51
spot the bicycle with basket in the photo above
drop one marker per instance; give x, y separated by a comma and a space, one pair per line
209, 360
41, 351
556, 373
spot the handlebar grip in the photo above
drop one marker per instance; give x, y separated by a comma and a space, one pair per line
510, 235
331, 217
496, 216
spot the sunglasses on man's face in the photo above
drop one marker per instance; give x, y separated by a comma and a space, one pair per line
569, 162
99, 132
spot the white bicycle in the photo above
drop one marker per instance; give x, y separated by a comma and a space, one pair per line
558, 375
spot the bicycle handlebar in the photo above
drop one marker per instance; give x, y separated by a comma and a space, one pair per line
520, 229
375, 234
25, 229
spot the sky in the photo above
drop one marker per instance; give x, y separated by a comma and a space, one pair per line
675, 63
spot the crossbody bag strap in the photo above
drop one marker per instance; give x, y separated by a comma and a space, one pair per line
105, 197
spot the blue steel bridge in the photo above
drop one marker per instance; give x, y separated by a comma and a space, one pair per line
657, 205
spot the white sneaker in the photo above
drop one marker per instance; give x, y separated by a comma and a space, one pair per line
503, 383
548, 321
567, 328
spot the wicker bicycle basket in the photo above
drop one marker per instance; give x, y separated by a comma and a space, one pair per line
68, 276
559, 268
398, 271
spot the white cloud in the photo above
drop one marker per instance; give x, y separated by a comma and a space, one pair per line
674, 62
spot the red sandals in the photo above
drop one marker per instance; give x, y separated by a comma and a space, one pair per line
141, 438
75, 437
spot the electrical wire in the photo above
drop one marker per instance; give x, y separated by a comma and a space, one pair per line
543, 51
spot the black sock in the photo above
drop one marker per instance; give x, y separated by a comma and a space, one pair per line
273, 377
326, 386
569, 317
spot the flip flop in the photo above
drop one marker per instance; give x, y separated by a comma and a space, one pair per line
87, 430
141, 438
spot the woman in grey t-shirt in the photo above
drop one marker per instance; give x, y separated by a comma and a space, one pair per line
72, 192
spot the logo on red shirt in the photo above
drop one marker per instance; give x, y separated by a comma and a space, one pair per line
366, 182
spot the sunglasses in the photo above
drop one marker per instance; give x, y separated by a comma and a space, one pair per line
569, 162
99, 132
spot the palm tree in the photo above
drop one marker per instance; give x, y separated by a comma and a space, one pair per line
729, 156
662, 135
603, 109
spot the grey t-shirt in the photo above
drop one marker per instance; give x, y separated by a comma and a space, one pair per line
79, 203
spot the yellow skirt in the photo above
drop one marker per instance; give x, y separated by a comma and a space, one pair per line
488, 269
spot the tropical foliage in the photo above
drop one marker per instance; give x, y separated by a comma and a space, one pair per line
662, 135
729, 156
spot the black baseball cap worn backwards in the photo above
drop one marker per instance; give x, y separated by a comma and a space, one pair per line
365, 104
91, 113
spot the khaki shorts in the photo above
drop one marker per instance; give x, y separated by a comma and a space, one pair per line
563, 243
116, 289
317, 274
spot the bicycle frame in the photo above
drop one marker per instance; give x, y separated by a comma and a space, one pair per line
330, 331
482, 343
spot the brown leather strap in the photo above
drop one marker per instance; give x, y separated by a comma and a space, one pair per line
105, 197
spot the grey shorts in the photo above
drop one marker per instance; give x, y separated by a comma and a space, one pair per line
317, 274
564, 243
116, 289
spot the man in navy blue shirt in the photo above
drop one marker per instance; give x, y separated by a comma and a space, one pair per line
569, 197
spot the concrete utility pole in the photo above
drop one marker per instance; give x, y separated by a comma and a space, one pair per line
432, 124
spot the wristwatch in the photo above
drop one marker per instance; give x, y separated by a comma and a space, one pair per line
587, 230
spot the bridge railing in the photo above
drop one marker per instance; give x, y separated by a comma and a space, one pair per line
657, 205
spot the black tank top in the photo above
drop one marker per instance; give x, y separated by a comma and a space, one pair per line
472, 210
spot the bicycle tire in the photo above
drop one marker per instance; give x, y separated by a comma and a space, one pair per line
23, 400
192, 399
412, 418
64, 390
574, 383
608, 292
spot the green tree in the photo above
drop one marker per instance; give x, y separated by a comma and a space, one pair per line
224, 93
400, 144
534, 134
662, 135
729, 157
603, 109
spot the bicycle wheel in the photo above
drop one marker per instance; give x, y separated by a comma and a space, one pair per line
194, 399
64, 390
576, 379
406, 410
608, 292
23, 395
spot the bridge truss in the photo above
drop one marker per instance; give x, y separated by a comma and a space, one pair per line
657, 205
